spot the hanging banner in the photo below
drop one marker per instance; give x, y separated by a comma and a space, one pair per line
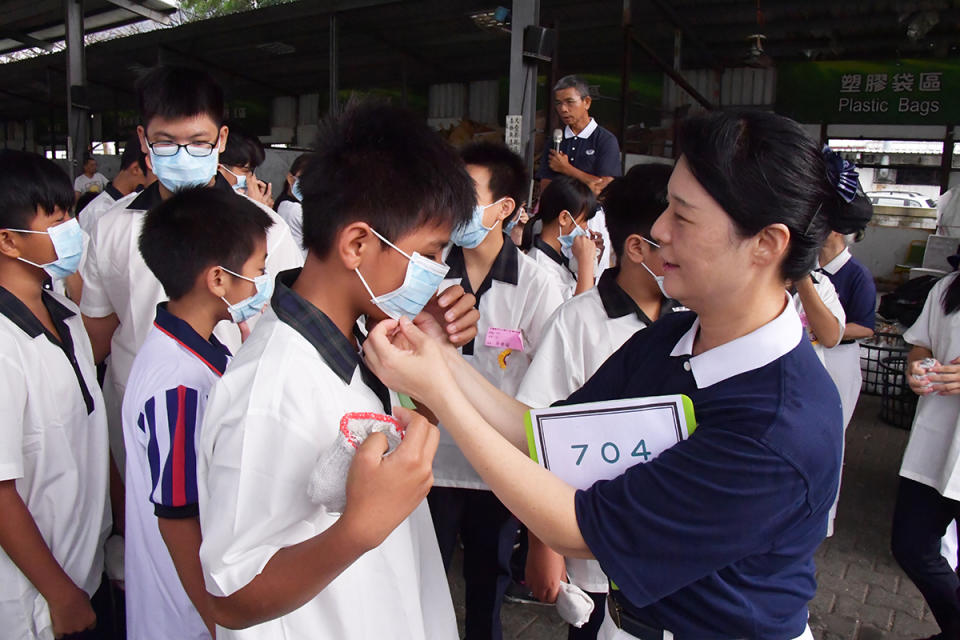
861, 92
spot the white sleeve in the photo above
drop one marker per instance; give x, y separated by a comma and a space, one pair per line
545, 305
924, 329
94, 301
76, 183
555, 371
13, 399
828, 293
282, 252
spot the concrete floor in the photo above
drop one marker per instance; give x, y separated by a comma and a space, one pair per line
862, 594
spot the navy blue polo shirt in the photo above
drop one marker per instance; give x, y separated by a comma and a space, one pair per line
855, 288
594, 150
715, 537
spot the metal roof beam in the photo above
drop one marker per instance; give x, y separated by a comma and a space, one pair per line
143, 11
28, 40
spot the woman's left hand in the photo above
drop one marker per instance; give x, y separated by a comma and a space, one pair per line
946, 378
407, 360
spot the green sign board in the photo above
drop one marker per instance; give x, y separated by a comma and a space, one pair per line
860, 92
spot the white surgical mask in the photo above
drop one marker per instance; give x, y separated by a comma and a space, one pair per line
659, 279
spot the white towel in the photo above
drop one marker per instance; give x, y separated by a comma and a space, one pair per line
573, 604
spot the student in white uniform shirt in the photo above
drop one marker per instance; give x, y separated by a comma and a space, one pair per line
515, 296
133, 176
557, 238
820, 311
583, 333
288, 204
239, 160
180, 112
928, 498
53, 436
179, 362
381, 196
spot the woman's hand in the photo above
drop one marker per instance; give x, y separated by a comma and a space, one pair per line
407, 360
945, 378
545, 570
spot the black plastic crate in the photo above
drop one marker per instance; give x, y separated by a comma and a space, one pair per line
898, 403
872, 353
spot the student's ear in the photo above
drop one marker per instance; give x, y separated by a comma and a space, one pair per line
291, 179
771, 244
224, 134
564, 218
635, 248
142, 134
8, 244
355, 241
506, 208
216, 281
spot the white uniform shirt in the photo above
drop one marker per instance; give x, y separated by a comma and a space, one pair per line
292, 213
53, 443
162, 408
269, 419
580, 336
96, 182
828, 294
97, 207
555, 264
933, 451
518, 295
117, 280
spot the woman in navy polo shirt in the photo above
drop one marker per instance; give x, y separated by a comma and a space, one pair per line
715, 537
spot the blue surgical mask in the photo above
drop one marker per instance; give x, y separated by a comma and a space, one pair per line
512, 224
249, 307
182, 170
470, 234
295, 189
241, 185
420, 283
67, 238
566, 241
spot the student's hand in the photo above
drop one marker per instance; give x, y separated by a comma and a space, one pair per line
260, 191
407, 360
544, 572
559, 161
585, 250
918, 386
71, 612
946, 378
450, 317
383, 490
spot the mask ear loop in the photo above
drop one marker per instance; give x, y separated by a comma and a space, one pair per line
407, 255
360, 275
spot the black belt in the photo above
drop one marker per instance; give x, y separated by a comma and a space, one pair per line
848, 342
631, 625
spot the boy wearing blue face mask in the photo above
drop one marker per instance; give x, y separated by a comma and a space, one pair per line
53, 436
207, 282
380, 197
515, 296
182, 134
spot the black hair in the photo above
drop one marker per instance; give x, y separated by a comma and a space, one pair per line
634, 202
763, 169
29, 181
951, 295
562, 194
243, 149
508, 173
382, 165
196, 229
133, 154
178, 92
87, 157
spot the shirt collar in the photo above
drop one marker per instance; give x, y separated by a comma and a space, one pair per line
18, 313
505, 267
211, 352
757, 349
583, 135
150, 197
550, 252
618, 303
112, 190
837, 263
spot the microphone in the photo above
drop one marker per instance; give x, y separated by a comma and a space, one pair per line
557, 137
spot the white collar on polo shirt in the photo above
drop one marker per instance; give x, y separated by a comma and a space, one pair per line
587, 130
752, 351
837, 263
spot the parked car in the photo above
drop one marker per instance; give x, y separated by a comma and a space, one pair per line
909, 199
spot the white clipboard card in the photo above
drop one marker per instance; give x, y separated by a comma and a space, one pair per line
583, 443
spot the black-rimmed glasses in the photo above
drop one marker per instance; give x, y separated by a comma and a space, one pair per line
166, 148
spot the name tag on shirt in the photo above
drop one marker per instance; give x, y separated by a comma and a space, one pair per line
583, 443
504, 339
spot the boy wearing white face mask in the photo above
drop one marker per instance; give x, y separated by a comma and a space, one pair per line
53, 436
515, 296
182, 133
583, 333
380, 197
207, 282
